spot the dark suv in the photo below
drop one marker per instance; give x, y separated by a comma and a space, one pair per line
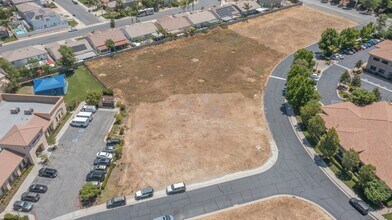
116, 202
48, 172
102, 161
22, 206
38, 188
30, 196
113, 142
359, 205
95, 175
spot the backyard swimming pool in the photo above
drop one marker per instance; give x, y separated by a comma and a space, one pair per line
20, 31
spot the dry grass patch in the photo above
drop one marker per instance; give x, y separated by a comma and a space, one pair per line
292, 29
279, 208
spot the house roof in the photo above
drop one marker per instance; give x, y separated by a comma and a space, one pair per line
253, 4
140, 29
23, 53
226, 11
53, 82
99, 38
383, 50
173, 24
9, 161
15, 2
200, 17
40, 121
367, 130
20, 135
78, 47
34, 11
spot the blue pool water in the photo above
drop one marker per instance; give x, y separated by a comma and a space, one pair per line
20, 31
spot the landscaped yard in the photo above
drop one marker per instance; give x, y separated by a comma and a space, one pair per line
388, 216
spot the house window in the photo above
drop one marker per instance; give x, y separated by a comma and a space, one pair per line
384, 62
376, 59
381, 70
373, 68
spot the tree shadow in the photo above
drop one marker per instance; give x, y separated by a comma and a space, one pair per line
319, 161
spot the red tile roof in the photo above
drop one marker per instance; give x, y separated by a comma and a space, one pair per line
383, 50
9, 161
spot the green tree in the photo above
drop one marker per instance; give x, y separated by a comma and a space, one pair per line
377, 191
358, 64
11, 71
163, 32
300, 90
370, 5
345, 77
381, 23
316, 127
119, 5
309, 110
247, 7
348, 37
366, 174
93, 97
362, 97
67, 56
112, 23
109, 43
356, 82
350, 159
298, 69
12, 86
367, 31
386, 5
377, 94
329, 42
89, 192
305, 55
5, 14
329, 143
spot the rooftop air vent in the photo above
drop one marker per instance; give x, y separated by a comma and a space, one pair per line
15, 110
29, 111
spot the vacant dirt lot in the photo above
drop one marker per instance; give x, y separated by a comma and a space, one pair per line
195, 103
276, 208
289, 30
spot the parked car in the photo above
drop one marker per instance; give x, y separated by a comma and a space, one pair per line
23, 206
359, 205
38, 188
113, 142
116, 202
164, 217
104, 155
334, 57
95, 175
96, 183
48, 172
109, 149
102, 168
175, 188
75, 2
30, 196
102, 161
144, 193
348, 52
89, 108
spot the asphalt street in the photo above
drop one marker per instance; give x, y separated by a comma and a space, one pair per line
79, 12
73, 161
327, 85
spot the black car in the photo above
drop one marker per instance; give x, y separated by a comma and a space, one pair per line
116, 202
95, 175
38, 188
359, 205
144, 193
30, 196
102, 161
22, 206
109, 149
113, 142
48, 172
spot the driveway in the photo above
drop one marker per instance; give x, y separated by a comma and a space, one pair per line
73, 161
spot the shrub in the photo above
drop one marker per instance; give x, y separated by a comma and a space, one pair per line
108, 92
119, 118
122, 131
9, 216
51, 139
93, 97
71, 105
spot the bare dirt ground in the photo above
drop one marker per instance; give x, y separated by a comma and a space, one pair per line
289, 30
279, 208
195, 103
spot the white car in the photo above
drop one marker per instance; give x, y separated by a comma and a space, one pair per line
89, 108
72, 29
104, 155
175, 188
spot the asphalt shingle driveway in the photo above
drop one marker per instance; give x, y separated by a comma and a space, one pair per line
73, 161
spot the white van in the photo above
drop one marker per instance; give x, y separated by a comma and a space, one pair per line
89, 108
88, 115
80, 122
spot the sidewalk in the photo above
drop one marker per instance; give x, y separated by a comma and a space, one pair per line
322, 165
34, 172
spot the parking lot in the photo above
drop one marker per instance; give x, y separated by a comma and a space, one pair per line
73, 160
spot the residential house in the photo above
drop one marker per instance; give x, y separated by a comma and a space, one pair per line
226, 13
140, 31
54, 86
174, 24
98, 39
21, 57
380, 60
4, 33
202, 19
367, 130
254, 7
17, 2
111, 4
81, 49
38, 17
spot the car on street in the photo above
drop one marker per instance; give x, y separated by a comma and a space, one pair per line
113, 142
337, 56
104, 155
23, 206
102, 161
95, 175
47, 172
72, 29
164, 217
102, 168
38, 188
175, 188
359, 205
109, 149
116, 202
144, 193
89, 108
30, 196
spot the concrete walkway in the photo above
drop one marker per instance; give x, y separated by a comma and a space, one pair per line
34, 172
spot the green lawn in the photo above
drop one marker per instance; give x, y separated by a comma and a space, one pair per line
388, 216
79, 83
9, 39
72, 23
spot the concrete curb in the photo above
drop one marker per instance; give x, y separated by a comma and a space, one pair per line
262, 200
